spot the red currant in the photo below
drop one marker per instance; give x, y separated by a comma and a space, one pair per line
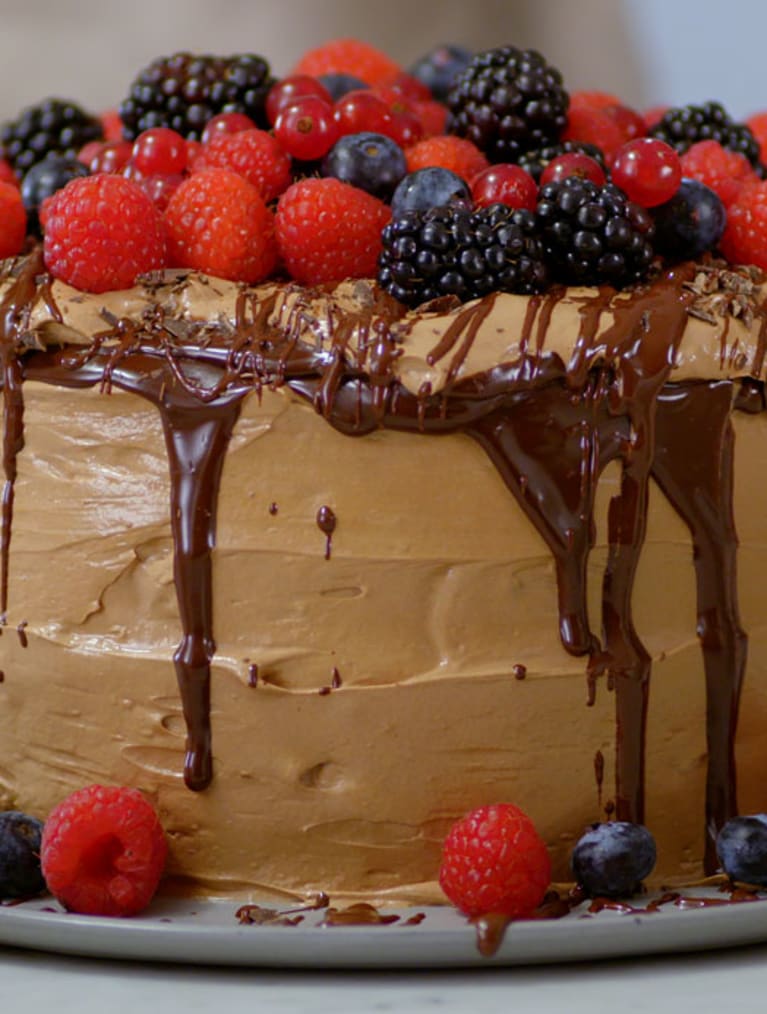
360, 111
288, 91
648, 171
161, 188
159, 151
226, 123
408, 86
573, 163
110, 158
307, 130
505, 184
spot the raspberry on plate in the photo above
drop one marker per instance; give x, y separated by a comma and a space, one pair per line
254, 154
494, 860
101, 232
103, 851
458, 154
218, 222
328, 230
348, 56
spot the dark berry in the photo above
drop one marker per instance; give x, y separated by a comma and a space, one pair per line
742, 849
508, 101
44, 179
439, 68
453, 251
610, 860
683, 126
536, 161
369, 161
339, 84
692, 222
184, 91
593, 235
52, 126
433, 187
20, 836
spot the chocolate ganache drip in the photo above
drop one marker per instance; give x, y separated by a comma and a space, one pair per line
549, 426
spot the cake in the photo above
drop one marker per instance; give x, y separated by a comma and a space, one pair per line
240, 573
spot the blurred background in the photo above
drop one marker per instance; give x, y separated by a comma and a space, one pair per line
647, 51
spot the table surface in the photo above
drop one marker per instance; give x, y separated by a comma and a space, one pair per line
732, 980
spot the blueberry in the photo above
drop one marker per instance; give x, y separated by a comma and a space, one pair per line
438, 68
20, 875
742, 849
610, 860
369, 161
433, 187
339, 84
690, 223
44, 179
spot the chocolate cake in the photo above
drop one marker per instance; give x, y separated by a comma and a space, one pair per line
240, 573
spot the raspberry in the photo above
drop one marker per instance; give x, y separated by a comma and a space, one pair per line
725, 172
433, 117
218, 223
348, 56
103, 851
328, 230
14, 219
7, 175
101, 232
455, 153
255, 155
494, 860
608, 127
593, 100
745, 236
757, 124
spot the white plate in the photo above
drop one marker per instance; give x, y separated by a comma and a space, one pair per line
208, 932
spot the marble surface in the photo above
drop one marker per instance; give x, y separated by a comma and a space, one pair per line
714, 982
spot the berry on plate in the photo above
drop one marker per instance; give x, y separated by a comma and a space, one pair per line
742, 849
494, 860
103, 851
20, 875
612, 859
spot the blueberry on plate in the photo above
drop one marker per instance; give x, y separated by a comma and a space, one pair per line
610, 860
433, 187
20, 875
742, 849
690, 223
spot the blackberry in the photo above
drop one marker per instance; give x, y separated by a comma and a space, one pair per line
53, 126
593, 235
508, 101
682, 126
454, 251
534, 162
184, 91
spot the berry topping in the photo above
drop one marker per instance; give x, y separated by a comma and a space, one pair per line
185, 91
429, 188
647, 170
682, 126
439, 68
612, 859
371, 162
505, 184
328, 230
254, 154
742, 849
217, 222
20, 874
222, 123
455, 153
103, 851
508, 101
14, 219
110, 157
292, 89
593, 235
573, 164
452, 251
690, 223
159, 152
52, 126
44, 179
494, 860
349, 56
725, 171
101, 232
307, 129
360, 111
745, 237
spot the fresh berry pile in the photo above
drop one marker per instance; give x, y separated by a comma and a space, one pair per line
251, 177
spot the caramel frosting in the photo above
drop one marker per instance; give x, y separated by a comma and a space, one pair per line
371, 636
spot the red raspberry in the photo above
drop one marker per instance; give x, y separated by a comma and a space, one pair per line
494, 860
254, 154
7, 175
328, 230
608, 127
103, 851
218, 223
433, 117
449, 152
758, 125
745, 236
593, 100
725, 171
14, 219
349, 56
101, 232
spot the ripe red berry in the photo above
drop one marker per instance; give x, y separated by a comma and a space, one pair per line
593, 100
225, 123
7, 175
648, 171
254, 154
290, 90
360, 111
110, 157
745, 235
307, 129
758, 126
103, 851
112, 125
159, 152
573, 163
218, 223
608, 127
14, 220
494, 860
328, 230
433, 117
349, 56
458, 154
725, 171
505, 184
101, 232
